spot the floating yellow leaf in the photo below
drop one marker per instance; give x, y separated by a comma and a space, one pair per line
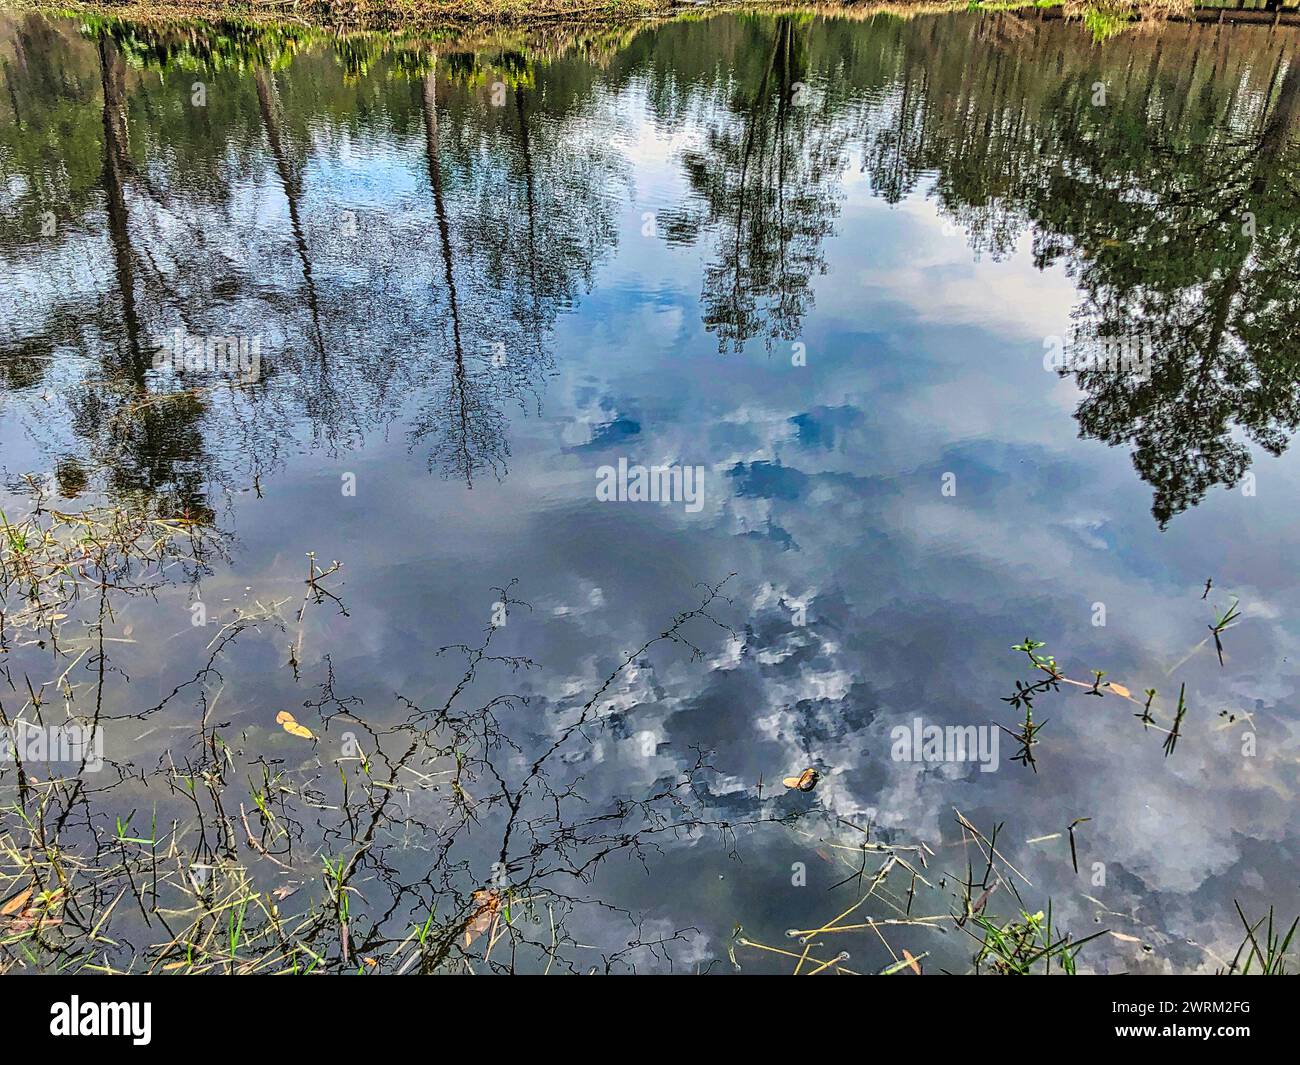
805, 781
1119, 689
488, 905
290, 725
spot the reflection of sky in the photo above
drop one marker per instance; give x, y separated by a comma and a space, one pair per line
922, 362
822, 487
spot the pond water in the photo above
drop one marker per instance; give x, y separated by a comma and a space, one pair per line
955, 329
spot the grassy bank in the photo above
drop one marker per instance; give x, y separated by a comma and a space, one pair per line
391, 13
388, 14
1104, 18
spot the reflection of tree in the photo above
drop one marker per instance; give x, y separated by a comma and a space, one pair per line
320, 394
155, 447
353, 322
116, 164
521, 215
767, 185
98, 292
1142, 199
1216, 308
448, 296
468, 425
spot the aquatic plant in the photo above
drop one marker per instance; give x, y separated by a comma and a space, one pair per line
1222, 621
1026, 691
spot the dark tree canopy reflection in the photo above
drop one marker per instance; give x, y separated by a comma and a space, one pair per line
1171, 204
765, 184
217, 219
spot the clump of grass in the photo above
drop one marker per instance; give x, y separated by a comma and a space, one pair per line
1270, 953
1013, 948
1106, 19
1105, 22
50, 559
1023, 699
1028, 942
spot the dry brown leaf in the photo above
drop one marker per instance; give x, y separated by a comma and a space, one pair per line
912, 963
1119, 689
290, 725
1126, 939
489, 905
16, 903
805, 781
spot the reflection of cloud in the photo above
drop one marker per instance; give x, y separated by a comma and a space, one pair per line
823, 426
612, 433
934, 276
919, 601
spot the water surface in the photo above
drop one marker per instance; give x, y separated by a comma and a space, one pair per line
976, 330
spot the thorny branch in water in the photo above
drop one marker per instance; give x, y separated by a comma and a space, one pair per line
419, 841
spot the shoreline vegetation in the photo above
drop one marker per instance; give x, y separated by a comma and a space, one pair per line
344, 16
234, 30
